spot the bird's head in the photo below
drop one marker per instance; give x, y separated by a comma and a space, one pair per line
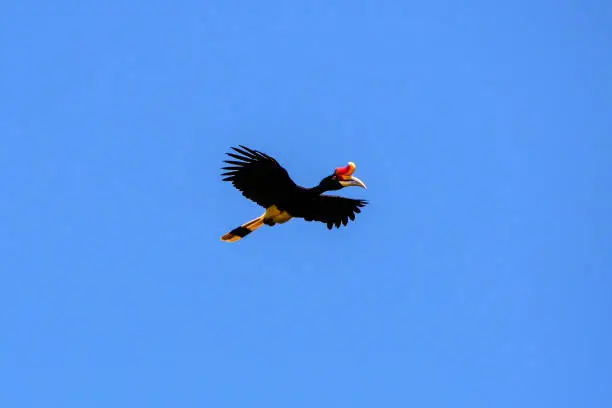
340, 178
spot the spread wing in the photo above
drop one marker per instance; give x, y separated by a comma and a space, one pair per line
333, 210
258, 176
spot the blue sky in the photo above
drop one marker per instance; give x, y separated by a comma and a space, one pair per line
478, 276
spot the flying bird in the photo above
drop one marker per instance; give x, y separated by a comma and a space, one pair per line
262, 179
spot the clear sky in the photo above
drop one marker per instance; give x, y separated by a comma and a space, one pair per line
478, 276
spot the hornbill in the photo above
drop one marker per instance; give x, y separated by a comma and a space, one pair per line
261, 179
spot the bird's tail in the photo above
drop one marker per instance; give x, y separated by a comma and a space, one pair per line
243, 230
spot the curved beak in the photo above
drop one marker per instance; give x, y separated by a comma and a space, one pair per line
352, 181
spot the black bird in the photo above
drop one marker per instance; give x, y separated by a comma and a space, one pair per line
261, 179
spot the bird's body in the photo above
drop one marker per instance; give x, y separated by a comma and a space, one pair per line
263, 180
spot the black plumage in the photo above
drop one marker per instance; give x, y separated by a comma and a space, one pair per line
262, 179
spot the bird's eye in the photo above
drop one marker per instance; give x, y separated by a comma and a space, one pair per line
334, 178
